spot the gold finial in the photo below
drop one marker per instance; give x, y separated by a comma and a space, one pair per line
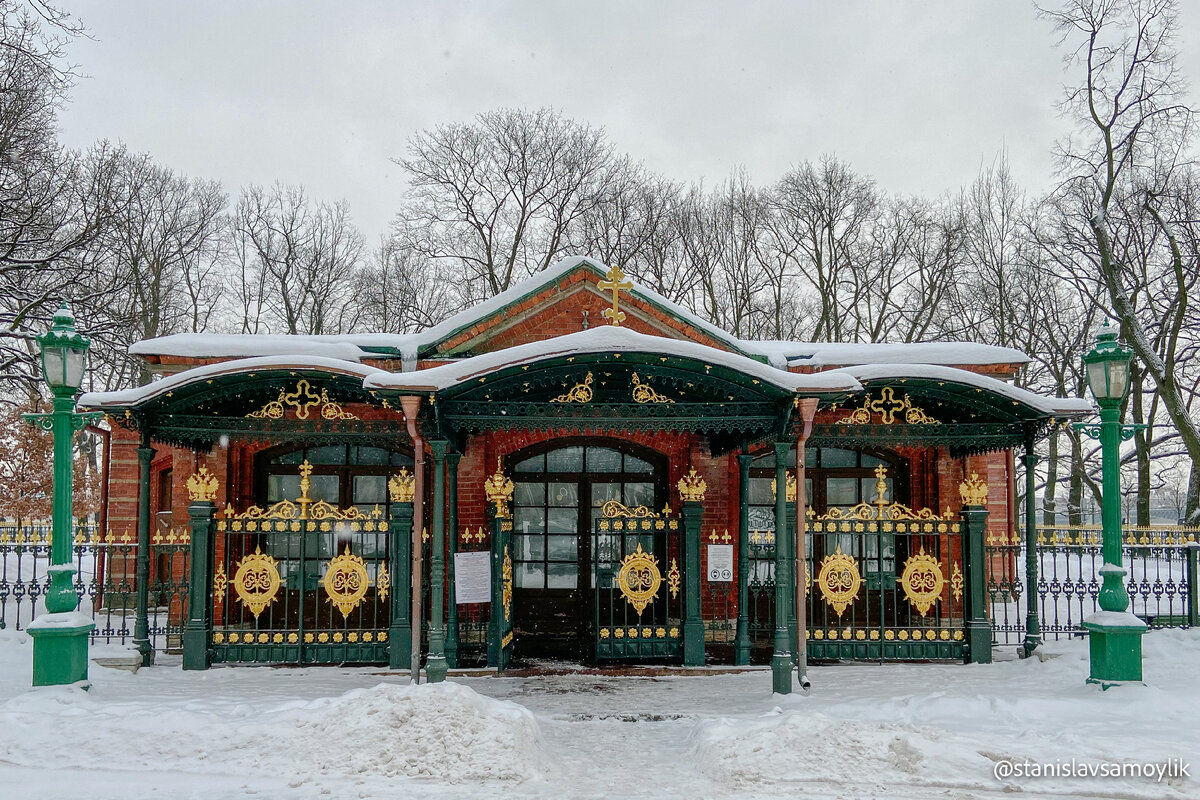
498, 489
881, 485
692, 487
615, 283
974, 491
403, 486
202, 486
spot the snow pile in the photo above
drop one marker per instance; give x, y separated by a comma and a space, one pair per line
441, 731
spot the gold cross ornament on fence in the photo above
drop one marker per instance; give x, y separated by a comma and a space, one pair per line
615, 282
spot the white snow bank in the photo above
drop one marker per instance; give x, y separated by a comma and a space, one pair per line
443, 731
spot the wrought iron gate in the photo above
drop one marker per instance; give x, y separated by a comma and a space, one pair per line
888, 582
301, 582
638, 584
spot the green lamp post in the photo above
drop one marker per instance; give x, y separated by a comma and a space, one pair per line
1114, 634
60, 636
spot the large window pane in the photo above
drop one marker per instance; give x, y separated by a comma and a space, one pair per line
370, 488
637, 465
529, 576
639, 494
562, 548
324, 487
330, 454
841, 491
562, 576
562, 520
529, 520
535, 464
760, 491
530, 494
563, 495
836, 457
374, 456
530, 548
601, 459
568, 459
603, 492
282, 487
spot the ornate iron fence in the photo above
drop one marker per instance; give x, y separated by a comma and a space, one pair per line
1162, 565
105, 579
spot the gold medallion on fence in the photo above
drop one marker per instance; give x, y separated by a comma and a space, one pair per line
256, 581
346, 581
839, 580
922, 581
639, 578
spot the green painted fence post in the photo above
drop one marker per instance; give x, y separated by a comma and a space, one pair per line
974, 523
141, 621
452, 548
400, 523
693, 622
435, 663
781, 659
741, 641
202, 489
1193, 583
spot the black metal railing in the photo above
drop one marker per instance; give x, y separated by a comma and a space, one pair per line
1162, 567
105, 579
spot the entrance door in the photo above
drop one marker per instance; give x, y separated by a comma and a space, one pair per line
557, 501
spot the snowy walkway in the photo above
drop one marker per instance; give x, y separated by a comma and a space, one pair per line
894, 731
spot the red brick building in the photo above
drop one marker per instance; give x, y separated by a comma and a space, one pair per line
598, 427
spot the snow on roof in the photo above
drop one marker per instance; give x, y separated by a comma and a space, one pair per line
1065, 406
605, 339
347, 347
534, 283
819, 354
128, 397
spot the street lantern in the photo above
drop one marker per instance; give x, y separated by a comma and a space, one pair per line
1107, 366
64, 354
60, 636
1115, 634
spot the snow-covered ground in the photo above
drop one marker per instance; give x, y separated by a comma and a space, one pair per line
887, 731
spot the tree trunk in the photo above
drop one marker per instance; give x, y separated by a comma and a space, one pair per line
1048, 516
1075, 493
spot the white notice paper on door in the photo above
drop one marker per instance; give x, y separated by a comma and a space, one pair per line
473, 577
720, 563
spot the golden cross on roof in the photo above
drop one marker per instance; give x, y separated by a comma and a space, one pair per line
615, 283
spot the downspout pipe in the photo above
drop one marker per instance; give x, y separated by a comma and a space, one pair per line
411, 405
807, 406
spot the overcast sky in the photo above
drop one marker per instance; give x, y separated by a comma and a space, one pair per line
918, 95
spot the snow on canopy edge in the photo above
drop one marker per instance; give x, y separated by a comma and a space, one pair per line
1047, 405
348, 347
602, 339
839, 354
140, 394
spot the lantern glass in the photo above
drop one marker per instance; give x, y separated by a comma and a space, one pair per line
52, 365
76, 360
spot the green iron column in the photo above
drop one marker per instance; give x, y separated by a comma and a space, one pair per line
974, 529
781, 659
452, 460
401, 490
1033, 628
202, 490
693, 622
741, 641
141, 621
435, 664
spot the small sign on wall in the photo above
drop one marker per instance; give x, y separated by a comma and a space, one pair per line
473, 577
720, 563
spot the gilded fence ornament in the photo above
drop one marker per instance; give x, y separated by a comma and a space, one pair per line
692, 487
219, 583
579, 393
303, 400
974, 491
839, 580
346, 581
888, 407
614, 508
673, 579
402, 487
383, 582
202, 486
922, 581
639, 578
956, 581
506, 581
499, 490
645, 393
615, 282
256, 581
282, 513
791, 487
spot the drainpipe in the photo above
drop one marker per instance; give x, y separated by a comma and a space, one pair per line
102, 520
807, 407
411, 407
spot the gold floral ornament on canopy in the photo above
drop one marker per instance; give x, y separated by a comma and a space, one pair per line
499, 489
303, 399
692, 487
888, 407
202, 486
